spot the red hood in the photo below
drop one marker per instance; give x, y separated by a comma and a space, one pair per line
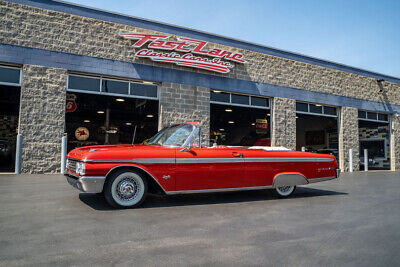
115, 151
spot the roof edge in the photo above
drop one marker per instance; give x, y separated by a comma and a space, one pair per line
116, 17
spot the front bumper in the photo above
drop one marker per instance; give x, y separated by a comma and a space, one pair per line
88, 184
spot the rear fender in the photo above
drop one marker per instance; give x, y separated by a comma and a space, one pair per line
289, 179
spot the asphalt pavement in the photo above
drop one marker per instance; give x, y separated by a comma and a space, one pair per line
353, 221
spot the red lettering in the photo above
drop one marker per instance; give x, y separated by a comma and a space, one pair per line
142, 38
198, 45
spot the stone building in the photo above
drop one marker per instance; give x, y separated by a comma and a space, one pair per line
104, 78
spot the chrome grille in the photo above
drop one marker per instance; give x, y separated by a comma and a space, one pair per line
71, 165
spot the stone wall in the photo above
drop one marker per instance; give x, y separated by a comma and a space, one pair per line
348, 138
395, 144
284, 123
39, 28
42, 118
182, 103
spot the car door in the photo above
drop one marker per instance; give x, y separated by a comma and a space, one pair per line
209, 168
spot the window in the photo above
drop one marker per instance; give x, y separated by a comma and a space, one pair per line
140, 89
372, 116
259, 101
362, 114
218, 97
301, 107
10, 75
146, 90
329, 110
316, 109
83, 83
240, 99
116, 87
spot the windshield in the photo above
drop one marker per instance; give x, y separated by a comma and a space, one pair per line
172, 136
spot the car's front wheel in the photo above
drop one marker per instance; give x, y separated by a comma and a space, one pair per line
125, 189
285, 191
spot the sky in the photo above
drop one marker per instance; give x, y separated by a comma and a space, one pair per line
359, 33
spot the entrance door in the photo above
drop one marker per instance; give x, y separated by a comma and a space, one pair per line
209, 168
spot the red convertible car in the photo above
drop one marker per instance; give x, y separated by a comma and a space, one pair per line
175, 162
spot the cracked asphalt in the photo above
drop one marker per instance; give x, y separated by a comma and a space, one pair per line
353, 221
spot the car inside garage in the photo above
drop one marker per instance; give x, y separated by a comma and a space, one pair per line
317, 128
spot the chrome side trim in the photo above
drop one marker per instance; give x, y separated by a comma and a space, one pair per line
208, 160
288, 159
316, 180
205, 160
218, 190
138, 167
138, 161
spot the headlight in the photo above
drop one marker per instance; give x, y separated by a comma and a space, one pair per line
80, 168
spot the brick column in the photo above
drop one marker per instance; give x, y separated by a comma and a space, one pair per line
284, 122
182, 103
395, 144
42, 118
348, 138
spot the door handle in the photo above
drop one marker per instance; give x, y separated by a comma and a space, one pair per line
237, 154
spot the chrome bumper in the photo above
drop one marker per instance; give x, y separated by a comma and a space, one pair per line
337, 173
88, 184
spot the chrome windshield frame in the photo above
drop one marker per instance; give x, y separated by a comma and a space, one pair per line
189, 141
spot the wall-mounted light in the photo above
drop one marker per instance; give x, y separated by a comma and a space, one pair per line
222, 130
216, 91
100, 111
253, 124
120, 100
150, 116
231, 122
86, 121
318, 105
228, 110
128, 123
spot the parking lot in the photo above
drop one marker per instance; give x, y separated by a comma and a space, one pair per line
351, 221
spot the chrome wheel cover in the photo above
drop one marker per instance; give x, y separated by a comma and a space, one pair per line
285, 190
127, 189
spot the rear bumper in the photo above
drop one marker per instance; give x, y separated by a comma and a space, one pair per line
88, 184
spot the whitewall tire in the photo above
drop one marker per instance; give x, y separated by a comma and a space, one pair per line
125, 189
285, 191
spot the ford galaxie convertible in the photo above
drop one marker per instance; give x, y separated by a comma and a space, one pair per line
174, 161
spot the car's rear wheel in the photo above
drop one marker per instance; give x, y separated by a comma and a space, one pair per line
125, 189
285, 191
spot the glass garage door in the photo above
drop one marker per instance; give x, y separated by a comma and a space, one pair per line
10, 90
103, 110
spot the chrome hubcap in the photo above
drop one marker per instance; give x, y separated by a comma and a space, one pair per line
284, 189
127, 189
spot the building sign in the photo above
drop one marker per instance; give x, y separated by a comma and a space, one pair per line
70, 105
262, 126
184, 52
82, 134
